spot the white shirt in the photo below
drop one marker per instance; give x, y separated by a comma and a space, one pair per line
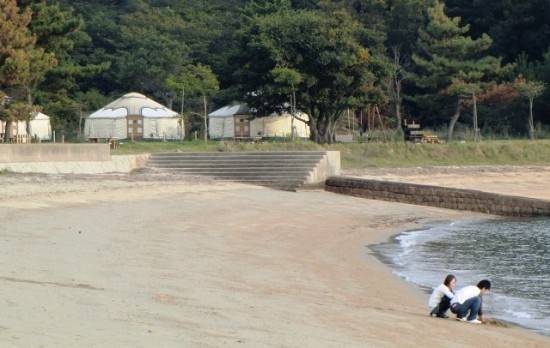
437, 295
465, 293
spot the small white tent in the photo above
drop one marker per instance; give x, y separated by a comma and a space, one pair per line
236, 121
39, 125
134, 116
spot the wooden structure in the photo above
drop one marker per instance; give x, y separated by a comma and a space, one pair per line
113, 141
16, 139
414, 134
373, 115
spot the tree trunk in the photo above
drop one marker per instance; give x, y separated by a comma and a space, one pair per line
205, 119
321, 131
453, 120
29, 101
398, 120
476, 128
327, 131
7, 131
313, 135
531, 123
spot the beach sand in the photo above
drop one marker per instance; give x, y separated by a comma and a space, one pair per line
152, 260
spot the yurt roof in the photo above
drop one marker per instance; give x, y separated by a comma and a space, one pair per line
40, 116
231, 110
133, 104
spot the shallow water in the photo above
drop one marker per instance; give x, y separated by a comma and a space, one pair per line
512, 253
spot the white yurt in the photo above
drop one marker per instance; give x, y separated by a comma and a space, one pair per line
134, 116
39, 126
236, 121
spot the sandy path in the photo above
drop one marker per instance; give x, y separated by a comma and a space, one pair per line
154, 261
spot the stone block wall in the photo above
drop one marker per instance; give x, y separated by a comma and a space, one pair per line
442, 197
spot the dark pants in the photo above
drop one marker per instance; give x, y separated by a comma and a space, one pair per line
470, 307
442, 307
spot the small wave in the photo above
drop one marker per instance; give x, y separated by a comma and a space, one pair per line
511, 252
519, 315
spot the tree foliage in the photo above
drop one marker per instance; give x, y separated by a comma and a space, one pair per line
321, 54
196, 80
451, 66
530, 90
70, 56
22, 64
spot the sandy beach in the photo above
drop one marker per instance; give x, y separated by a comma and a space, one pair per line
153, 260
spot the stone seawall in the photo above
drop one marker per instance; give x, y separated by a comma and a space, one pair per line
442, 197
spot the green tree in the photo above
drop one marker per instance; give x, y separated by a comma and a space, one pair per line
323, 49
288, 79
530, 90
150, 51
58, 31
404, 19
450, 66
196, 80
15, 39
515, 26
21, 63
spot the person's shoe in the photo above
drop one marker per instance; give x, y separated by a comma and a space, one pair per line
443, 316
433, 312
460, 319
474, 321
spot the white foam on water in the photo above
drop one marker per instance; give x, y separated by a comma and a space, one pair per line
425, 257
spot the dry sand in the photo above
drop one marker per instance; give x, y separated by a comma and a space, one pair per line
151, 260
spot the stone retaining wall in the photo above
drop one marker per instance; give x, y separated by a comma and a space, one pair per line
66, 158
442, 197
13, 153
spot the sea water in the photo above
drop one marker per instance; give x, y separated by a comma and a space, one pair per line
514, 254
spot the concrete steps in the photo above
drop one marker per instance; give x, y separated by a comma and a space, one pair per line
285, 170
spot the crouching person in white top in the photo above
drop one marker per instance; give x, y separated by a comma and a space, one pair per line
441, 297
466, 303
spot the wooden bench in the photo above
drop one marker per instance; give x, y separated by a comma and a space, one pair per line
430, 139
415, 135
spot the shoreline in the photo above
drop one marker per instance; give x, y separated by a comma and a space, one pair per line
386, 258
165, 260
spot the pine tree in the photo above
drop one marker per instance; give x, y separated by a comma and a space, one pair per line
450, 66
14, 40
14, 43
530, 90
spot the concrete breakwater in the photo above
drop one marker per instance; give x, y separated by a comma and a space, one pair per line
442, 197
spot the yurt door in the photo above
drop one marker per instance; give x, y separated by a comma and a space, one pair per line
242, 127
135, 127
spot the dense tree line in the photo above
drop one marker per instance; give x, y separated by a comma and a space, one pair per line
426, 60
